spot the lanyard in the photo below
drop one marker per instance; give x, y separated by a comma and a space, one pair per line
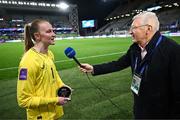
144, 66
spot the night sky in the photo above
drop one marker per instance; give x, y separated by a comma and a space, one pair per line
94, 9
91, 9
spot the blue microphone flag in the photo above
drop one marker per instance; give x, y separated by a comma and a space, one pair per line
70, 52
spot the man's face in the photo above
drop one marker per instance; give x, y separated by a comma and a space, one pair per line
138, 31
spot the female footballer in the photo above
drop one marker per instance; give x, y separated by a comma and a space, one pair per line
38, 80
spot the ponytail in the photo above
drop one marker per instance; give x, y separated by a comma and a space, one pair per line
27, 37
29, 31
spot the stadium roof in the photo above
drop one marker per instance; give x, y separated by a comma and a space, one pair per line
92, 9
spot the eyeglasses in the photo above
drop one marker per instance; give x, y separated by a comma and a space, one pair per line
135, 27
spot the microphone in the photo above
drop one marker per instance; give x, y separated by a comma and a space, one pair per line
70, 53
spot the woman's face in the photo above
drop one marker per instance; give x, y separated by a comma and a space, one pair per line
46, 34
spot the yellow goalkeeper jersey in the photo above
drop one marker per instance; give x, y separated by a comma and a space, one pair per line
38, 81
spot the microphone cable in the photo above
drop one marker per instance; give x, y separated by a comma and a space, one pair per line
102, 92
70, 53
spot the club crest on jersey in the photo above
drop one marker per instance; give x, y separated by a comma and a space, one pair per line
23, 74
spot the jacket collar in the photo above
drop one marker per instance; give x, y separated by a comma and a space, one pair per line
149, 48
152, 43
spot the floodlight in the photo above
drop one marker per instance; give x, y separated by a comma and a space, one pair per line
166, 6
154, 8
48, 5
127, 15
53, 5
176, 4
63, 6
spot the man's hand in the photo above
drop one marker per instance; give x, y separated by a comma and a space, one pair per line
86, 68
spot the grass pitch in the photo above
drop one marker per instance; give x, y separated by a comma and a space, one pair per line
87, 102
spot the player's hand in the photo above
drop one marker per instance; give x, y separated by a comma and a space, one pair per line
86, 68
63, 100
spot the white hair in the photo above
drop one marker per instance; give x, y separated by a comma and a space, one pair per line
149, 18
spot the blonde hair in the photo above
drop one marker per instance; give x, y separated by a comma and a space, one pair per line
29, 31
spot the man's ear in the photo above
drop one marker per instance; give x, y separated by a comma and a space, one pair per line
149, 27
37, 36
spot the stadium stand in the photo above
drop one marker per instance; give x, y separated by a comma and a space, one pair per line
119, 19
115, 27
170, 20
12, 21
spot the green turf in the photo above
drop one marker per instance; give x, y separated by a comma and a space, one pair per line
11, 53
87, 102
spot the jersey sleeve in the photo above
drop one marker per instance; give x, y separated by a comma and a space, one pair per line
26, 95
59, 81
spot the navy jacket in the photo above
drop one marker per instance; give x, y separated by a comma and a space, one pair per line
159, 94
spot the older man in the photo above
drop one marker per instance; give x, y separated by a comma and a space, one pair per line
154, 60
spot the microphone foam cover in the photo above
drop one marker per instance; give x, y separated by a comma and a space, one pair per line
70, 52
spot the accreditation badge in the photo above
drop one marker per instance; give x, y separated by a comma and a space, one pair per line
136, 82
